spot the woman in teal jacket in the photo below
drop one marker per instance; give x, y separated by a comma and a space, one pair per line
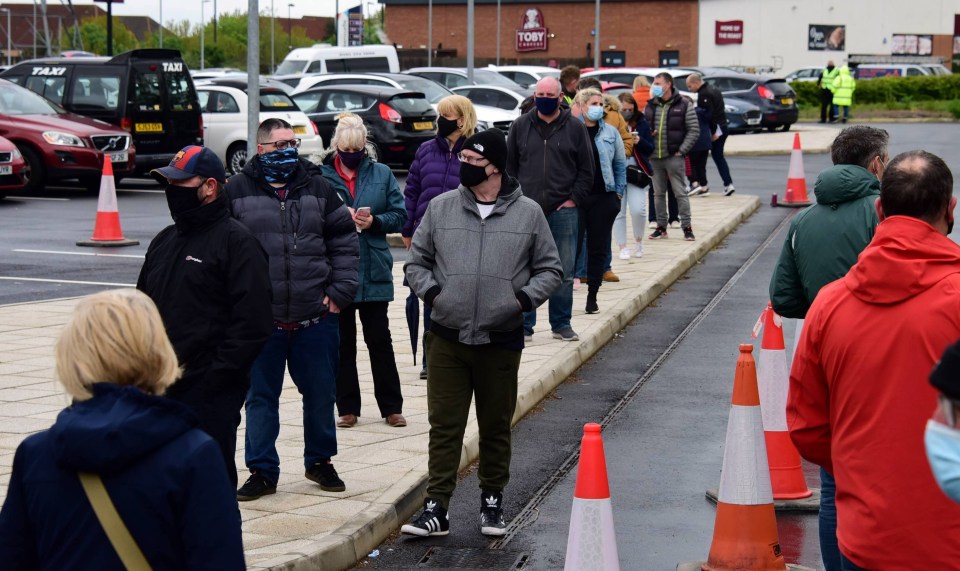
372, 194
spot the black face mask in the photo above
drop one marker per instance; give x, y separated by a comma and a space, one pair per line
446, 127
182, 198
472, 175
829, 68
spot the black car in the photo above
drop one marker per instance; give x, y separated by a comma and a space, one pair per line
742, 116
773, 96
398, 121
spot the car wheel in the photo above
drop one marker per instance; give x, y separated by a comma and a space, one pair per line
236, 158
787, 126
34, 173
773, 128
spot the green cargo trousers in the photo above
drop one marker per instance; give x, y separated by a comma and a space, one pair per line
455, 374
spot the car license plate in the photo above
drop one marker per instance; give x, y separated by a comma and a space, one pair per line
299, 129
787, 101
7, 169
423, 125
149, 127
118, 157
753, 121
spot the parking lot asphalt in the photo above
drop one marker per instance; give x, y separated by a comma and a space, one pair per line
302, 527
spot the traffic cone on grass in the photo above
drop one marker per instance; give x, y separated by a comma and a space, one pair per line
106, 229
745, 531
592, 543
786, 475
796, 194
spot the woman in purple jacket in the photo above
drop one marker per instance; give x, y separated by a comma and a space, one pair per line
435, 170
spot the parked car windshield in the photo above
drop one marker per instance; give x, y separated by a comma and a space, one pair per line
290, 66
433, 90
276, 101
16, 100
485, 76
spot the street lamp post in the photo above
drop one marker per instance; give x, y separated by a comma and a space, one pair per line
203, 25
289, 28
273, 57
161, 23
596, 40
429, 33
498, 32
9, 45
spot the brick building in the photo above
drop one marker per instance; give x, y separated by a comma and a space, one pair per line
632, 32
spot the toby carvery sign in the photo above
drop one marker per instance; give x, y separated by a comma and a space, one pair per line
532, 35
729, 32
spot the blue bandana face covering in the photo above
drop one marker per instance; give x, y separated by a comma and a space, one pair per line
278, 166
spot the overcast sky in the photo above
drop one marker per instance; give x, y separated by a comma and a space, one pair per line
190, 9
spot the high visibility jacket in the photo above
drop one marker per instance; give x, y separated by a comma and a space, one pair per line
828, 77
843, 87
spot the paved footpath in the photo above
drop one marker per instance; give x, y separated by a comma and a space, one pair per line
302, 527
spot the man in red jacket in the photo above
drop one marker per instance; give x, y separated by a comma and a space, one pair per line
859, 400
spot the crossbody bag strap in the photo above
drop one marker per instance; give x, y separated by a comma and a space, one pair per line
117, 532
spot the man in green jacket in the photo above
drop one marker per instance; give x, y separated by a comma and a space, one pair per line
822, 244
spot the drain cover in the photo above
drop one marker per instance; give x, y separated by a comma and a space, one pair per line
472, 559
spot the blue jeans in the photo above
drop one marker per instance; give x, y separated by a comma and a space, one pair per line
716, 149
564, 224
313, 356
829, 550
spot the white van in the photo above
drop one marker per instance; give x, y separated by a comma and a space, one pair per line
323, 58
872, 70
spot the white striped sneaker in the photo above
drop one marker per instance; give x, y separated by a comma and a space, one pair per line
433, 520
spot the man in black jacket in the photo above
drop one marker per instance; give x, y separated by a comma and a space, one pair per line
311, 240
550, 153
208, 276
711, 99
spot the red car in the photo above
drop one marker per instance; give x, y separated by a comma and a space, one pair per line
12, 168
57, 145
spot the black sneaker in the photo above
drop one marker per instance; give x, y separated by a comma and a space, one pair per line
688, 234
433, 520
254, 488
324, 474
423, 373
660, 232
491, 514
592, 306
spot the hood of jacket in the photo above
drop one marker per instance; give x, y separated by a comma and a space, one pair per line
843, 183
203, 215
116, 428
907, 256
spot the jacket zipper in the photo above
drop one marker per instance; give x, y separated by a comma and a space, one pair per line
660, 135
476, 296
286, 253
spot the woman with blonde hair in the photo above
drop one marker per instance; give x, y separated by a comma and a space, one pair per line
436, 170
373, 196
165, 478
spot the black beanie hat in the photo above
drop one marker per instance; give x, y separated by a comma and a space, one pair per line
491, 145
946, 374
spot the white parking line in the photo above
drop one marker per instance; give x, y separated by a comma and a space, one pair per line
77, 282
140, 190
39, 198
57, 252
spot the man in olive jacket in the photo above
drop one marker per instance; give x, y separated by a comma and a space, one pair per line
822, 244
481, 257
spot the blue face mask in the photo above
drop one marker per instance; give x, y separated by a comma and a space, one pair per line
594, 113
547, 105
656, 90
943, 453
278, 166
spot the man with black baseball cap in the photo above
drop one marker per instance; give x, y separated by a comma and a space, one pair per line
208, 276
481, 256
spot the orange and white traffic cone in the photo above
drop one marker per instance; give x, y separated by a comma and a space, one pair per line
592, 543
106, 229
745, 530
786, 475
796, 194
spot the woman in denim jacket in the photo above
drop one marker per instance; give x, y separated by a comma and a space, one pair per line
600, 209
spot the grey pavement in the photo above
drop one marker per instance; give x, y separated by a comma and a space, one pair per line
384, 468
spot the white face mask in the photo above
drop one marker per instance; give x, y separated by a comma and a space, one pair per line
943, 453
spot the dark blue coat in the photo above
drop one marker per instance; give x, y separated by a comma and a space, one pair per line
704, 138
165, 477
435, 170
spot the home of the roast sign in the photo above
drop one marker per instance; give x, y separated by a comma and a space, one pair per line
532, 35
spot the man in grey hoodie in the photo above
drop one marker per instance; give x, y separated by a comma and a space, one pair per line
481, 257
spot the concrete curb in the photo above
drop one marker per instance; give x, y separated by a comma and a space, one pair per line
348, 544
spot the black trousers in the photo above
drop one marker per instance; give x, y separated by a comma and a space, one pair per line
219, 416
826, 105
698, 163
376, 334
597, 214
673, 209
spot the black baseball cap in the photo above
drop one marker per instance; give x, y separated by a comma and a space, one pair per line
189, 162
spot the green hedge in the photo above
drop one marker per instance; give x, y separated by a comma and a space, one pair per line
888, 90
